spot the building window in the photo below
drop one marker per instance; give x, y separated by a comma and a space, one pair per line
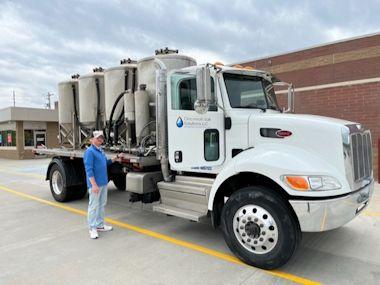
28, 137
8, 138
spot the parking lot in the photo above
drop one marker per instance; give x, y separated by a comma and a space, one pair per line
45, 242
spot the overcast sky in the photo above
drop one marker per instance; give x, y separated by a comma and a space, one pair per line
44, 42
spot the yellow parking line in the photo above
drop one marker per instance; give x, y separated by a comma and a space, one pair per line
205, 250
371, 213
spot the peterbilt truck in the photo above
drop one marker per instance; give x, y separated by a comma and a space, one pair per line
210, 143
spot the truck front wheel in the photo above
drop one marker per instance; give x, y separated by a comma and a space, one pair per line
259, 227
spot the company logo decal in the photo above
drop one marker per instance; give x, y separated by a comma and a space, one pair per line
179, 122
193, 122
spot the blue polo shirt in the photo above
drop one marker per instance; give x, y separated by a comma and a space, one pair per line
95, 164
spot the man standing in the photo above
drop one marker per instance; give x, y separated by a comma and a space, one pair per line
96, 163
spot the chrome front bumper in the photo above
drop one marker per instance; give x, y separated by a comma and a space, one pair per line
324, 215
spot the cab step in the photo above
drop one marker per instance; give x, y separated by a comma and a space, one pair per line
186, 197
181, 213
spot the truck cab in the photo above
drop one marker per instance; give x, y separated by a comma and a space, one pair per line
319, 168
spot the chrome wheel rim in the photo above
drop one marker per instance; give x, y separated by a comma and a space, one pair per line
255, 229
57, 182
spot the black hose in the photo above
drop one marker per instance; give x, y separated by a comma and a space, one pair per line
111, 115
120, 120
75, 103
98, 104
118, 123
133, 80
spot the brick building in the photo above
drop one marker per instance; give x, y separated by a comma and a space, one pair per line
339, 79
22, 129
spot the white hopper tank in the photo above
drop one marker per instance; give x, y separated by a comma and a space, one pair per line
147, 76
147, 68
68, 110
116, 80
66, 91
89, 107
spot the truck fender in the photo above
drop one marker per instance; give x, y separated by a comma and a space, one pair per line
273, 161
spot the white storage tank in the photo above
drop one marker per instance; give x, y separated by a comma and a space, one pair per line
117, 80
147, 68
67, 90
91, 90
141, 112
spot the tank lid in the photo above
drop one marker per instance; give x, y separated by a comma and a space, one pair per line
98, 69
127, 61
166, 51
75, 76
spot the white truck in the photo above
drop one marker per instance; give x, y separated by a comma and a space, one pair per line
209, 142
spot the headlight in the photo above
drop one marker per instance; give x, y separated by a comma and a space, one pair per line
311, 183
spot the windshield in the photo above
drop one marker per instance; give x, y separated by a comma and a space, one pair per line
245, 91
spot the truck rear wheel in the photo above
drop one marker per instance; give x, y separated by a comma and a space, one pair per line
259, 228
58, 185
120, 182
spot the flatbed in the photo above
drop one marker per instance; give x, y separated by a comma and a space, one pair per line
142, 161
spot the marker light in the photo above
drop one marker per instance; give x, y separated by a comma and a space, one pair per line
297, 182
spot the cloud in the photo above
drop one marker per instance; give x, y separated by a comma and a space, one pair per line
43, 42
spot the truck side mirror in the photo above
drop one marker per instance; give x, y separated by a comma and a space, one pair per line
204, 95
290, 108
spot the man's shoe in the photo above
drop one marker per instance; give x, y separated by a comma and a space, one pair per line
105, 228
94, 234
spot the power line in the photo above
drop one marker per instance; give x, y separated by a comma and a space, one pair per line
48, 100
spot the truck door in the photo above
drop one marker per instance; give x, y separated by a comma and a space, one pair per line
196, 141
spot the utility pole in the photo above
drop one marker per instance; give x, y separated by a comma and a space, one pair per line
14, 99
48, 98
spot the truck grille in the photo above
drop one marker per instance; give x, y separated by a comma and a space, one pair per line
361, 149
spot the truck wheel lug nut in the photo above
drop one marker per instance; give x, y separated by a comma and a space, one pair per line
244, 221
249, 218
255, 241
261, 225
241, 227
249, 240
243, 234
263, 233
256, 220
261, 239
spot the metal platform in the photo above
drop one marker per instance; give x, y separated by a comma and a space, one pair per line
142, 161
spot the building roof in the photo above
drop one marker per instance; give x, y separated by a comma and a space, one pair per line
28, 114
305, 49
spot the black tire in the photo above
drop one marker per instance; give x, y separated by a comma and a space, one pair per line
283, 236
120, 182
78, 192
58, 185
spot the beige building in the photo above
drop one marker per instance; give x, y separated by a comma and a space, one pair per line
22, 129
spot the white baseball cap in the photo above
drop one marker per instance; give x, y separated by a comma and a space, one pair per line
97, 134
